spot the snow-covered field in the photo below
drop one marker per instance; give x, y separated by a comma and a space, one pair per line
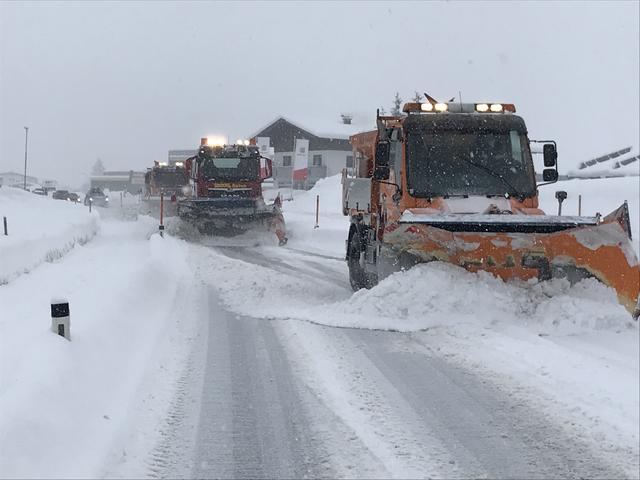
94, 406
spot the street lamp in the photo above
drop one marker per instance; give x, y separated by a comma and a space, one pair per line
26, 137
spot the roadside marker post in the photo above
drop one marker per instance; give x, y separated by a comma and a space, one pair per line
317, 211
60, 318
4, 220
161, 226
579, 205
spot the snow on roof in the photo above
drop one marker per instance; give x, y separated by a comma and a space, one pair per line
329, 128
626, 165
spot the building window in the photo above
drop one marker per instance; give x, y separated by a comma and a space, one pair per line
317, 160
349, 161
286, 160
303, 150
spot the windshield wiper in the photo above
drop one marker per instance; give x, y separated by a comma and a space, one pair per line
493, 173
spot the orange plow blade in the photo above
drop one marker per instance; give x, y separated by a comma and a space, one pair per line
526, 246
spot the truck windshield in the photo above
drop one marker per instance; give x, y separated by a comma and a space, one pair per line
446, 163
243, 168
174, 178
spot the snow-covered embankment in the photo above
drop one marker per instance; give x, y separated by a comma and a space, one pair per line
76, 409
40, 230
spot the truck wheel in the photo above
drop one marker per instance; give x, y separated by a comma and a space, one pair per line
357, 274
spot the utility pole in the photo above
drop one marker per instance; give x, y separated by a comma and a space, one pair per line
26, 138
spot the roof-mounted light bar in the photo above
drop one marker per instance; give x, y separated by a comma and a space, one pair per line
213, 141
455, 107
495, 107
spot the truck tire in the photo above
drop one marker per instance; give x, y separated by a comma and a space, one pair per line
357, 274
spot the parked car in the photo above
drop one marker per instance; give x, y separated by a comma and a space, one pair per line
60, 195
97, 197
39, 191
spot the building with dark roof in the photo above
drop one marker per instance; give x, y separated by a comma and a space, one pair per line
329, 148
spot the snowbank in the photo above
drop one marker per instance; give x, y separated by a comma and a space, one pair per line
333, 226
40, 230
65, 405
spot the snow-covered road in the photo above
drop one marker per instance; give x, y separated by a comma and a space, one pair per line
287, 398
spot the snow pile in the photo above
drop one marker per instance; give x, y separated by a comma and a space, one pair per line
333, 226
65, 404
440, 294
40, 230
426, 296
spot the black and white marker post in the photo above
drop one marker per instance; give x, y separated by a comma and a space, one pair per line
161, 226
60, 319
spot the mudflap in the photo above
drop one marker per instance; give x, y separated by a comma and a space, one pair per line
277, 225
603, 251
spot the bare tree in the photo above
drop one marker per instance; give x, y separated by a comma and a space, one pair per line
417, 97
397, 105
98, 168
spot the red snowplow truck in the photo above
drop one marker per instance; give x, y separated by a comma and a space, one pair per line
166, 179
226, 191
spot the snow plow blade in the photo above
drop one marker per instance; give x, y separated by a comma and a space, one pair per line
226, 218
524, 247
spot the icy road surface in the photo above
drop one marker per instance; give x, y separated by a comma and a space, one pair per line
286, 398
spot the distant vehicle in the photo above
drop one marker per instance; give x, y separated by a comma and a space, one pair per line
49, 186
74, 197
97, 197
60, 195
39, 191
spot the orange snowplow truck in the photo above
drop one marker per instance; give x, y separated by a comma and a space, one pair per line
455, 182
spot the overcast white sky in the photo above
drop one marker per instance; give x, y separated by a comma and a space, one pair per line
128, 81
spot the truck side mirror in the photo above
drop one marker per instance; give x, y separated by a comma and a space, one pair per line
381, 171
550, 155
550, 175
268, 166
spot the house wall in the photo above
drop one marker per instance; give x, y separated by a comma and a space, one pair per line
282, 135
11, 178
334, 160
